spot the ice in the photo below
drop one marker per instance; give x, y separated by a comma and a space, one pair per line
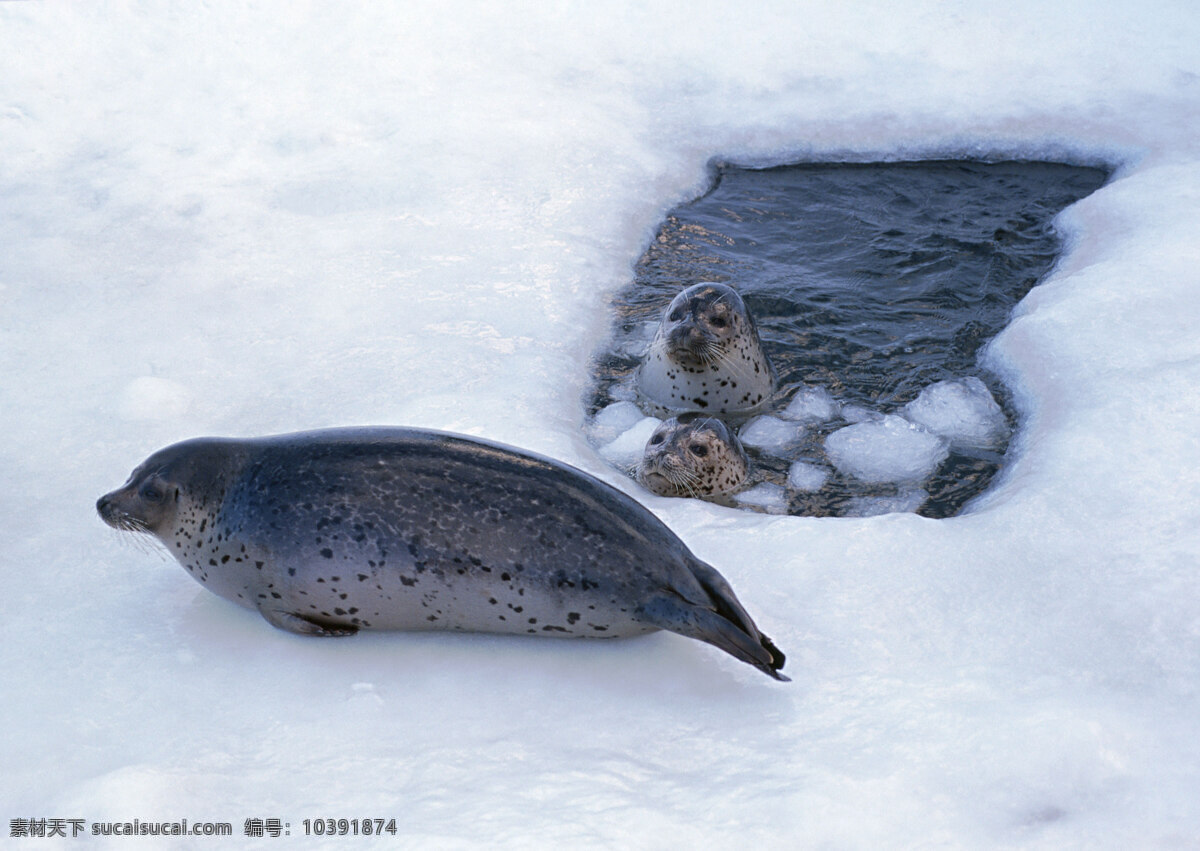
859, 414
626, 449
811, 405
614, 420
806, 477
310, 214
961, 410
890, 449
771, 498
770, 434
873, 506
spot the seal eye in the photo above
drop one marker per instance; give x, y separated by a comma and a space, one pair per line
656, 439
699, 449
676, 315
150, 492
719, 322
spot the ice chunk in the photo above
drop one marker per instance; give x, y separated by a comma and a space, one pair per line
807, 477
890, 449
811, 405
872, 506
626, 450
767, 496
961, 410
771, 434
859, 414
613, 420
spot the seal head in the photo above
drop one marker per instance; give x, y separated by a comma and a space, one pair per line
329, 532
706, 356
693, 455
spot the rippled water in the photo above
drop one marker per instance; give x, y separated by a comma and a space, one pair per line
873, 281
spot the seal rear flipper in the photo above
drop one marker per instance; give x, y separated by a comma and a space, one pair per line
679, 616
302, 625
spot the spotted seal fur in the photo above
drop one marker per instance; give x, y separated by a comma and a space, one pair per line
329, 532
693, 455
706, 356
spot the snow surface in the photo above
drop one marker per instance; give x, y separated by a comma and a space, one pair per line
239, 219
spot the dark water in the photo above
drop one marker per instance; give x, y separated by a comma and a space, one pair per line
873, 281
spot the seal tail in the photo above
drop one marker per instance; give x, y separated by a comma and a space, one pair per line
722, 622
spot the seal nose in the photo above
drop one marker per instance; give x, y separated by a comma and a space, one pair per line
102, 505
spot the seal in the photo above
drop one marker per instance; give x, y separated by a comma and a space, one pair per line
693, 455
329, 532
706, 356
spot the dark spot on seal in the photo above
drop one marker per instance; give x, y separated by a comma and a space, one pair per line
407, 581
328, 553
572, 617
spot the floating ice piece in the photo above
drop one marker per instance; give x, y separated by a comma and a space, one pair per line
807, 477
890, 449
767, 496
811, 405
872, 506
770, 434
859, 414
961, 410
626, 450
613, 420
149, 398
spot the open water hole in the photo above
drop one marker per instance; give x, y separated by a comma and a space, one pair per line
872, 281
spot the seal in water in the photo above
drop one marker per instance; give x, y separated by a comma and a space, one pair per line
329, 532
706, 356
693, 455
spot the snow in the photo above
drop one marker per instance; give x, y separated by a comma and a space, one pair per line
960, 410
250, 218
614, 420
890, 449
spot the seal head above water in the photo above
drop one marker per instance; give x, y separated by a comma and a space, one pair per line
329, 532
706, 356
693, 455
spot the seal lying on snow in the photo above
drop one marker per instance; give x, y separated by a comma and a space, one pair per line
329, 532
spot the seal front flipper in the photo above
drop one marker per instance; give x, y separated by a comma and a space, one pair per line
673, 613
301, 625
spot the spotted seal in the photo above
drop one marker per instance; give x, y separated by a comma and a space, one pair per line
706, 356
693, 455
329, 532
